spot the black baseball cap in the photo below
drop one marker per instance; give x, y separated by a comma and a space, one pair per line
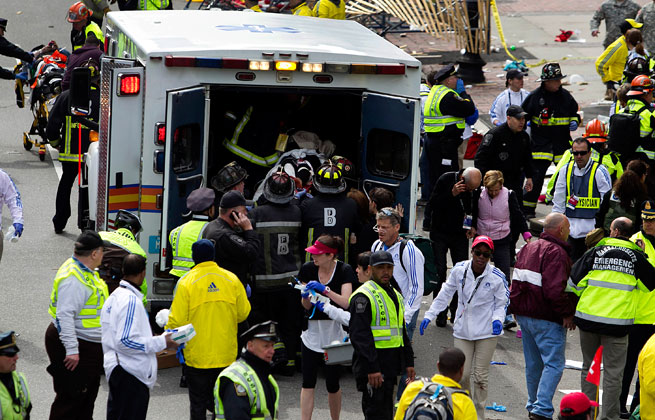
514, 74
90, 240
232, 199
3, 23
516, 111
380, 257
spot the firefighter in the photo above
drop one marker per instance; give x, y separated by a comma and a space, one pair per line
552, 115
201, 204
121, 242
444, 131
596, 133
80, 16
330, 211
246, 389
277, 223
15, 402
63, 124
230, 177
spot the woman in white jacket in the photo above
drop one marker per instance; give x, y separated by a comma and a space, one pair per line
483, 298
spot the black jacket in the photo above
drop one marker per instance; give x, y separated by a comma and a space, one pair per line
236, 404
11, 50
559, 104
366, 358
508, 152
448, 211
235, 251
56, 127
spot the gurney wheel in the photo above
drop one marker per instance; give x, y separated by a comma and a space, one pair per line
27, 144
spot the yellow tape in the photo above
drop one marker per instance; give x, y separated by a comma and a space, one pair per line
499, 26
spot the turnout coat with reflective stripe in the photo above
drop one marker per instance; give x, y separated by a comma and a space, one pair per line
606, 279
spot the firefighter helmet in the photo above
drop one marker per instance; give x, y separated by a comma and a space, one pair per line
279, 188
329, 180
596, 131
78, 12
229, 176
551, 71
635, 67
640, 85
346, 166
126, 219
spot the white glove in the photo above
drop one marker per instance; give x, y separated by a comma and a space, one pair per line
162, 317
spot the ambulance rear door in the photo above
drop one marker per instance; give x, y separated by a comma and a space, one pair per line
185, 156
390, 149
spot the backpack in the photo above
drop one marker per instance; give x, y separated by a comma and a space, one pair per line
433, 402
624, 134
430, 275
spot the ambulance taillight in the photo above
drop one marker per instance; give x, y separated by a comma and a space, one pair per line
130, 84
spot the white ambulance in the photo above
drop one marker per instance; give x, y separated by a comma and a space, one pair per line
169, 77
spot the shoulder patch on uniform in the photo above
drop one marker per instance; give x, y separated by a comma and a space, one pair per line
240, 390
237, 240
486, 141
360, 306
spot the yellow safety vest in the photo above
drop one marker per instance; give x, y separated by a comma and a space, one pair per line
327, 9
8, 409
589, 202
232, 144
91, 27
182, 239
302, 10
90, 313
387, 323
153, 4
552, 121
607, 296
242, 374
645, 301
123, 238
434, 119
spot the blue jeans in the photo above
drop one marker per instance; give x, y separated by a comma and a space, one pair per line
410, 333
544, 343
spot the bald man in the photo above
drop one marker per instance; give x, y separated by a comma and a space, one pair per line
452, 218
544, 311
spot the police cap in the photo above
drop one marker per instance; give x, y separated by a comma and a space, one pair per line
445, 72
200, 199
90, 240
264, 331
8, 345
3, 23
648, 210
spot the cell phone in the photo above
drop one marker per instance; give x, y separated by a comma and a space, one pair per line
234, 215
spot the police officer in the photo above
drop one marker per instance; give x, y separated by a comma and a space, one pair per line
444, 113
607, 279
80, 16
506, 148
121, 242
201, 204
552, 114
329, 211
237, 245
10, 50
73, 338
230, 177
379, 336
63, 124
15, 402
278, 261
246, 389
579, 190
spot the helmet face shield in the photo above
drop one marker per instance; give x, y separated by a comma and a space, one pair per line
78, 12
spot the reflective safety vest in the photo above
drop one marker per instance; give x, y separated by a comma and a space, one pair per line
91, 27
552, 121
386, 323
302, 10
645, 301
153, 4
330, 9
585, 189
182, 239
89, 316
434, 119
123, 238
242, 374
232, 144
9, 410
607, 292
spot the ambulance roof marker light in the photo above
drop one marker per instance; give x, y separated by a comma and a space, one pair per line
286, 65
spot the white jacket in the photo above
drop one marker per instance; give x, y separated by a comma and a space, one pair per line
489, 303
11, 197
498, 110
410, 281
127, 337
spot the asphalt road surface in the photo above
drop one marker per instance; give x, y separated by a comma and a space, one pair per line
28, 268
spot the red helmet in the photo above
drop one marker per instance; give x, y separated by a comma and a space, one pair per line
78, 12
596, 131
640, 85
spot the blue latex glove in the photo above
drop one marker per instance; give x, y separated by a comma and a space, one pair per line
573, 125
301, 193
19, 229
248, 290
320, 306
22, 76
496, 407
498, 123
497, 327
473, 118
180, 354
423, 326
316, 286
305, 295
460, 86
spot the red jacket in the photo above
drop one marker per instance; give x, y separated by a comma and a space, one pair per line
540, 274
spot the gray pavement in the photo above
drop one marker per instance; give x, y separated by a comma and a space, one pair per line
28, 267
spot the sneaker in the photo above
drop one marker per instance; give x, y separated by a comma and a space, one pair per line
533, 416
624, 414
442, 318
183, 383
509, 324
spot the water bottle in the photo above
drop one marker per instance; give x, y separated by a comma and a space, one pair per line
11, 235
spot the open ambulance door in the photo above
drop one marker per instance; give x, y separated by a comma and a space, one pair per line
390, 149
185, 156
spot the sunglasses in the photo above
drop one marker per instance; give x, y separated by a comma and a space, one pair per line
479, 253
580, 153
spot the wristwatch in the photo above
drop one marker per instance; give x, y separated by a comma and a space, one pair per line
327, 290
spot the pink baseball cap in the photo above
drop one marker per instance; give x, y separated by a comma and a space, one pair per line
482, 239
320, 248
